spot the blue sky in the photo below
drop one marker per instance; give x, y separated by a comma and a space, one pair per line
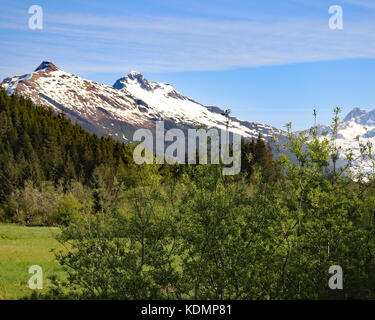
269, 61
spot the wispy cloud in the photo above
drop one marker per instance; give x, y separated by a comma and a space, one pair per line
362, 3
105, 43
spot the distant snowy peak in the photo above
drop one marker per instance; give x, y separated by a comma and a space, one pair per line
162, 98
17, 82
46, 65
135, 80
42, 70
132, 102
358, 123
361, 116
355, 113
97, 107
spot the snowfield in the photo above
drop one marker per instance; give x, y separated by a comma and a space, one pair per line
133, 102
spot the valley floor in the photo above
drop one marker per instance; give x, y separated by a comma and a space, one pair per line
20, 248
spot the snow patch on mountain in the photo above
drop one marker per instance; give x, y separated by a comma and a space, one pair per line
132, 102
85, 100
165, 99
357, 127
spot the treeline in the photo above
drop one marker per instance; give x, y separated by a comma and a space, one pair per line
45, 160
38, 145
49, 167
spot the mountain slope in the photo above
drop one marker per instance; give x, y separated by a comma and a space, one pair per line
97, 107
358, 124
165, 99
133, 102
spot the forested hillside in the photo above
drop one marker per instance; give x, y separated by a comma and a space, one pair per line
44, 156
38, 145
41, 150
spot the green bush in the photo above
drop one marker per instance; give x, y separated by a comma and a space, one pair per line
68, 210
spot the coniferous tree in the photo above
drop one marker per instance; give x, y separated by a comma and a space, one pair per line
37, 145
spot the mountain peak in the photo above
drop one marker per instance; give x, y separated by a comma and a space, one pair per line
133, 77
46, 65
134, 73
355, 113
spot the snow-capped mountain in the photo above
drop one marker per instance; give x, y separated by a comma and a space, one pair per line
174, 107
97, 107
357, 124
133, 102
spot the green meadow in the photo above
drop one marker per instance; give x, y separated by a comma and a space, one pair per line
20, 248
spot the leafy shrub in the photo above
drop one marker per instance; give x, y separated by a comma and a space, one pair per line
68, 210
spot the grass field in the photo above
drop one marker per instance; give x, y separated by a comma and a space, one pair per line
20, 248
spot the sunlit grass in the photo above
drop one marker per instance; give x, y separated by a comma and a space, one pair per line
20, 248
